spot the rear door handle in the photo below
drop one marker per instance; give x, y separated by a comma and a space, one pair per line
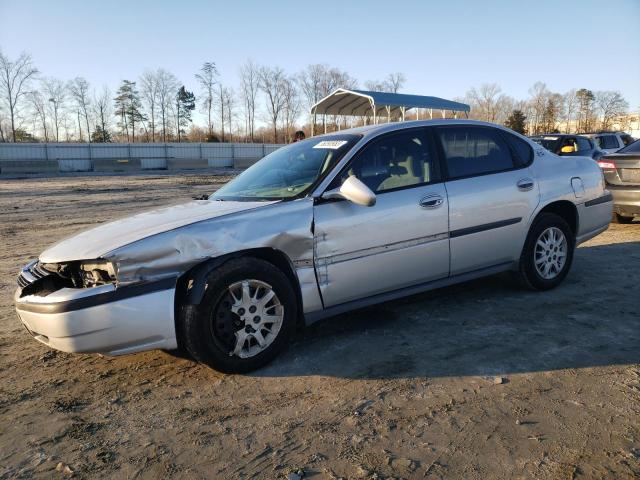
431, 201
525, 184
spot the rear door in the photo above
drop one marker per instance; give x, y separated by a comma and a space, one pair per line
492, 192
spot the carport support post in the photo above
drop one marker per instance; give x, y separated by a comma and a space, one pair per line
388, 114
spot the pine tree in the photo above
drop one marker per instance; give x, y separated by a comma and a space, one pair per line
185, 104
128, 108
100, 136
516, 121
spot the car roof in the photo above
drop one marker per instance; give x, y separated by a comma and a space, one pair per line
375, 130
558, 135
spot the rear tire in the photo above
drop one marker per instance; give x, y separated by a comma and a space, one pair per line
231, 330
547, 253
617, 218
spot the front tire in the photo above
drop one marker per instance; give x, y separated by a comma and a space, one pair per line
246, 316
547, 254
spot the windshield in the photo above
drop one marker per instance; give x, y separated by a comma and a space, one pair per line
632, 148
290, 171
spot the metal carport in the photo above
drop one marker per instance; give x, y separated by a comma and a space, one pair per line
365, 103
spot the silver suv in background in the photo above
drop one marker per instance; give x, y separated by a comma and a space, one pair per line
622, 176
611, 141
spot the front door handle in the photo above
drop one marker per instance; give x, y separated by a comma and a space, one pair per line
431, 201
525, 184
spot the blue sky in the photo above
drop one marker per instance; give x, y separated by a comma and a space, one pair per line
443, 47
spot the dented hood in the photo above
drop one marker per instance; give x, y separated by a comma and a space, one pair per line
97, 241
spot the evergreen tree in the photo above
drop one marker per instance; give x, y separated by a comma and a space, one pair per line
128, 108
100, 136
185, 104
516, 121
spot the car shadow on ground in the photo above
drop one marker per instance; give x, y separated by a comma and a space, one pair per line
488, 326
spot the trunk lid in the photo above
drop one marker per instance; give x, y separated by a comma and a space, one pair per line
626, 171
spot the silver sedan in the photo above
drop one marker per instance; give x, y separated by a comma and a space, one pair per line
319, 227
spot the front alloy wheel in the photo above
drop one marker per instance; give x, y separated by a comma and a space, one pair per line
248, 318
245, 318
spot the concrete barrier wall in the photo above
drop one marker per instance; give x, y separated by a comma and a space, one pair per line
127, 157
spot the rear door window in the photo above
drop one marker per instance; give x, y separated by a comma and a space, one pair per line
523, 151
471, 151
608, 141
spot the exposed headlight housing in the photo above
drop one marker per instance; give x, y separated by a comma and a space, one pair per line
96, 272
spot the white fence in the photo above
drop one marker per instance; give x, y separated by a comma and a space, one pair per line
118, 157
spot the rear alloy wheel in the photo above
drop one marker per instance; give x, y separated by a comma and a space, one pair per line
547, 254
617, 218
550, 253
245, 318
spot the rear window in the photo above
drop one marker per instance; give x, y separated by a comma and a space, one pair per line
583, 144
632, 148
550, 143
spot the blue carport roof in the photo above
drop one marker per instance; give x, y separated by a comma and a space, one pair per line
361, 102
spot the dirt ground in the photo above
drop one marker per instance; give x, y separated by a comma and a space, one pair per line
482, 380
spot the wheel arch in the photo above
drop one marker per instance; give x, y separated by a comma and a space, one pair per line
566, 210
191, 285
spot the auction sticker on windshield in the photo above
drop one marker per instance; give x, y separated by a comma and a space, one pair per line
331, 144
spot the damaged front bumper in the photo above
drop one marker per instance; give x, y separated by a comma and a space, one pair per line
108, 319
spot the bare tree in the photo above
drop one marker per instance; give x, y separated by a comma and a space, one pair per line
56, 93
395, 81
570, 106
272, 84
167, 86
149, 91
222, 96
40, 110
102, 110
250, 85
485, 101
79, 90
15, 78
375, 85
291, 106
610, 106
207, 78
229, 99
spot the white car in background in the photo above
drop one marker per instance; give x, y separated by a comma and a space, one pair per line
610, 142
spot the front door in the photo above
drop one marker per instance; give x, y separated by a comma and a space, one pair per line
400, 241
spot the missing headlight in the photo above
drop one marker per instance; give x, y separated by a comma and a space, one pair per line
98, 272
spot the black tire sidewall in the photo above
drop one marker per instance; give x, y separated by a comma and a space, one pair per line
617, 218
196, 321
527, 263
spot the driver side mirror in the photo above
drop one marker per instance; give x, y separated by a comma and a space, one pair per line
567, 149
353, 190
